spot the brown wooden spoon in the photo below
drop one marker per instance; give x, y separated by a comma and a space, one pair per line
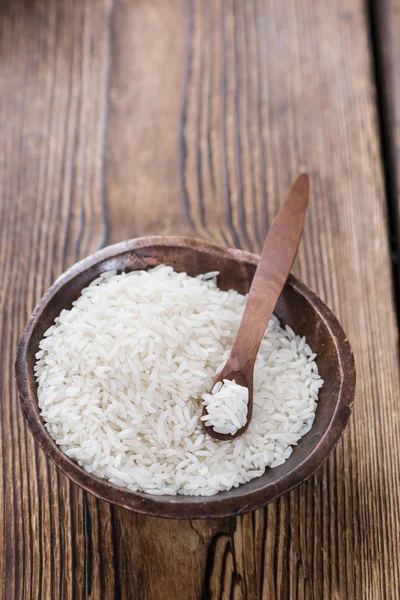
277, 257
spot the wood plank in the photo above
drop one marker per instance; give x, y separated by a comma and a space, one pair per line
125, 118
272, 88
55, 541
386, 27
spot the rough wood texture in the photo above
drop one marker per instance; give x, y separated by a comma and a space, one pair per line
204, 111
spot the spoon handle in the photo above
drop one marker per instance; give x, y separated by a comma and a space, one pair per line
277, 257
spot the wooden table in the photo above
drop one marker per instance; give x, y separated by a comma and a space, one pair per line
128, 117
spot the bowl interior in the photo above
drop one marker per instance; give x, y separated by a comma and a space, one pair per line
297, 307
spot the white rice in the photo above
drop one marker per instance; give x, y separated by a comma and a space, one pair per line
120, 379
226, 407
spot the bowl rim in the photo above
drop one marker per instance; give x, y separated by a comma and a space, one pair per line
186, 507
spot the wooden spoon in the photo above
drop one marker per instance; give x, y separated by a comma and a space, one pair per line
277, 257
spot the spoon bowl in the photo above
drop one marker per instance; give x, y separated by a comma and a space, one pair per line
244, 378
298, 307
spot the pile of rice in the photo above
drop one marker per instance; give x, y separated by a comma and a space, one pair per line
120, 379
227, 407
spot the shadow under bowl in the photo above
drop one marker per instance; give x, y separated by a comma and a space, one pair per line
298, 307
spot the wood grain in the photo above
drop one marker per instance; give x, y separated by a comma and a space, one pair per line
126, 117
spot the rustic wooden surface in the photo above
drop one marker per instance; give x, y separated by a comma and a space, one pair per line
126, 117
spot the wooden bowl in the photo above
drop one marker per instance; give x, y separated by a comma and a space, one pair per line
298, 306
